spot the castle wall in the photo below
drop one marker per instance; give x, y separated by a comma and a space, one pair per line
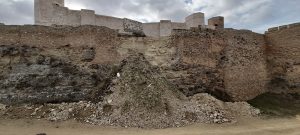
59, 15
102, 39
239, 63
283, 53
43, 11
244, 64
49, 12
217, 22
177, 25
132, 26
195, 20
165, 28
229, 64
88, 17
152, 29
73, 18
110, 22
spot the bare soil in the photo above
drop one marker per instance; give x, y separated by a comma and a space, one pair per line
243, 127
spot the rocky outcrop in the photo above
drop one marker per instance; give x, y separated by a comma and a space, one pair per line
28, 76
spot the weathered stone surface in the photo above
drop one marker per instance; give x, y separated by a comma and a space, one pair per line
88, 54
220, 62
283, 57
27, 76
230, 64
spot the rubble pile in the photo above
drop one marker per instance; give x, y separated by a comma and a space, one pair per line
140, 97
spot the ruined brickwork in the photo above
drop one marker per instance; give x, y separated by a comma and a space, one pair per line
102, 39
233, 60
284, 57
53, 12
244, 64
233, 65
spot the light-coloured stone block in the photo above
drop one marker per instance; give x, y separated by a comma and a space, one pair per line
194, 20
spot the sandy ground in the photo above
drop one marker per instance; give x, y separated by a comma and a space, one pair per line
243, 127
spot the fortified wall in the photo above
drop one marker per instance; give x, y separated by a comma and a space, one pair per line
37, 62
53, 12
283, 54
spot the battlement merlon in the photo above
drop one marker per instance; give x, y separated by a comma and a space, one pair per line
283, 27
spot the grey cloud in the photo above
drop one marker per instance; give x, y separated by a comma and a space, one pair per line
16, 12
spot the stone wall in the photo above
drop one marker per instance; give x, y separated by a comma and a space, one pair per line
43, 10
230, 63
132, 26
194, 20
283, 53
53, 12
162, 29
88, 17
197, 54
244, 64
49, 12
152, 29
217, 22
279, 28
40, 64
110, 22
103, 39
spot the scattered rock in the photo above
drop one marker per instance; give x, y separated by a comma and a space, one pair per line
2, 107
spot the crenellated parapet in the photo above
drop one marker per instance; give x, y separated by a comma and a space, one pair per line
283, 27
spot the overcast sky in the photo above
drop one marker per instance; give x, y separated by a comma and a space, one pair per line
256, 15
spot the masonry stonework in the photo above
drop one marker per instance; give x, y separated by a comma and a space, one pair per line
283, 55
53, 12
217, 22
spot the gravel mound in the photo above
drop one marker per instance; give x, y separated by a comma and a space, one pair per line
141, 97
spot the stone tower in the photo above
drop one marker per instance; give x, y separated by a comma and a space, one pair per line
44, 9
195, 20
217, 22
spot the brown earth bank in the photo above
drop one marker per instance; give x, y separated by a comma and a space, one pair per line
243, 127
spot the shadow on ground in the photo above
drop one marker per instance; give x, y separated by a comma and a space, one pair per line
278, 105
